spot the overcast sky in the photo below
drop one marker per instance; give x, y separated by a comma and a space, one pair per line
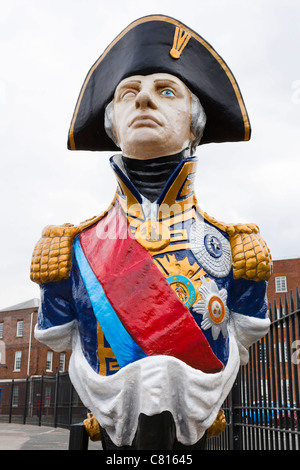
46, 50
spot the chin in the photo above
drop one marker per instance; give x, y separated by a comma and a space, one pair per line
149, 148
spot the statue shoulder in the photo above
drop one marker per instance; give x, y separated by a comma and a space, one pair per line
251, 257
52, 256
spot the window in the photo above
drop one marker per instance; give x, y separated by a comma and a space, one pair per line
49, 361
2, 353
47, 397
15, 396
283, 354
62, 362
280, 284
1, 330
20, 328
262, 351
18, 356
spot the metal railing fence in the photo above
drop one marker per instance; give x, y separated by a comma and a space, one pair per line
48, 400
263, 409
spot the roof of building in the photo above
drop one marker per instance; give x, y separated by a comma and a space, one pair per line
32, 303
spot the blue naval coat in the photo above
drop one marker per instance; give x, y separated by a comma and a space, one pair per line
218, 271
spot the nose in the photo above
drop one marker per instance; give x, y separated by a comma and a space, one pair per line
144, 100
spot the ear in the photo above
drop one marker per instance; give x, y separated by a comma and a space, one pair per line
109, 125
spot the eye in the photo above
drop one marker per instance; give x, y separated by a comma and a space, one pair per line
130, 93
167, 92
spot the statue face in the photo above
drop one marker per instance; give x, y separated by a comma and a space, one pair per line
152, 116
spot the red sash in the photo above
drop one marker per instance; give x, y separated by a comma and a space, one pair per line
145, 303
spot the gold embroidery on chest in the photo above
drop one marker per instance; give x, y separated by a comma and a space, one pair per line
183, 277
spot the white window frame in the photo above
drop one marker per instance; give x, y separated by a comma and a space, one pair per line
20, 325
280, 284
18, 360
1, 329
49, 361
62, 362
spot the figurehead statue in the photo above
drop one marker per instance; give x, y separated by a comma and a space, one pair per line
157, 299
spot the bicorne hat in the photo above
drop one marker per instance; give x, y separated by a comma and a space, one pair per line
154, 44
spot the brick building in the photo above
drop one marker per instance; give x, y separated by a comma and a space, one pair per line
21, 355
29, 370
285, 279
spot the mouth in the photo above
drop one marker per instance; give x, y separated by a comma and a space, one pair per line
144, 120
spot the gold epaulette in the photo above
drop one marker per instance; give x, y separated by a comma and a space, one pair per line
52, 256
251, 257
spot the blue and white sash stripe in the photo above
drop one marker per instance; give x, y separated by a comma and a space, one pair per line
124, 347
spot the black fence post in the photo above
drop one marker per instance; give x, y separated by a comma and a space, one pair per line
25, 400
11, 400
41, 399
236, 414
56, 397
297, 299
70, 404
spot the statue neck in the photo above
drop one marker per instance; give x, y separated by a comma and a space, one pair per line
150, 176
